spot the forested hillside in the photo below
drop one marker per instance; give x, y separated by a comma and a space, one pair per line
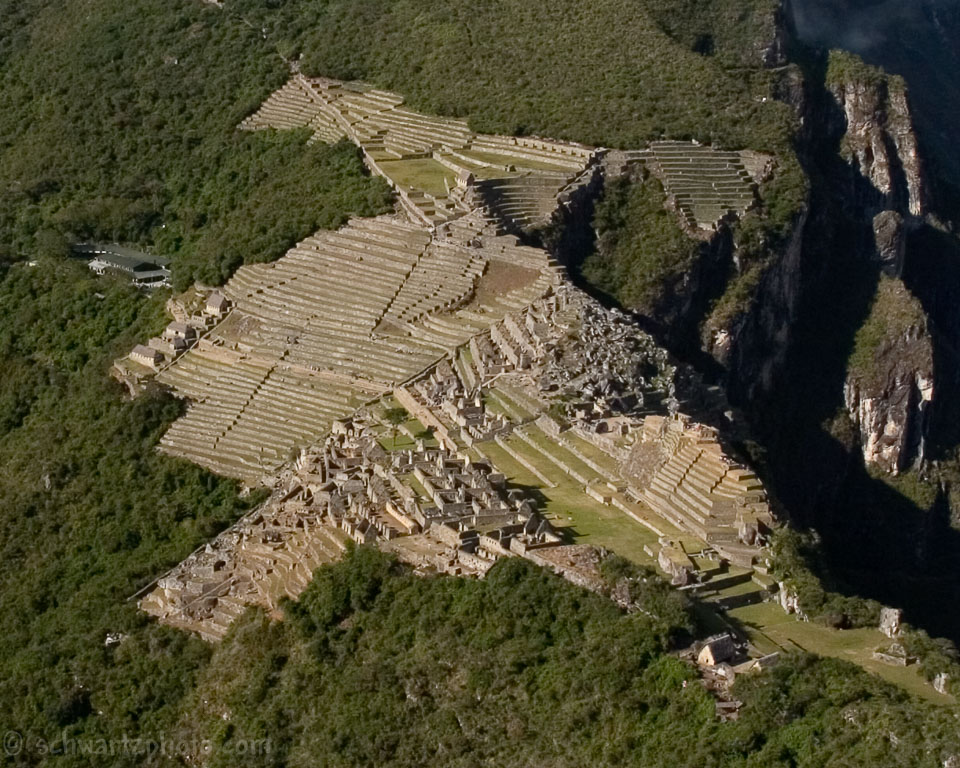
91, 511
608, 74
377, 667
118, 122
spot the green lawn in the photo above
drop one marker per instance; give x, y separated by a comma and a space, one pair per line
770, 629
492, 157
588, 449
498, 403
462, 363
588, 521
523, 400
402, 441
551, 446
424, 174
411, 480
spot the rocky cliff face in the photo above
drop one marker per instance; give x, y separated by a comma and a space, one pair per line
889, 419
889, 236
753, 347
889, 402
880, 141
859, 130
887, 396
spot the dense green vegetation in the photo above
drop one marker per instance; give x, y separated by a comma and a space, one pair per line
378, 667
641, 253
91, 511
607, 74
118, 122
894, 312
288, 192
845, 68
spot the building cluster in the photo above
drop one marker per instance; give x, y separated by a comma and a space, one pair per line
458, 502
476, 335
440, 511
179, 336
441, 402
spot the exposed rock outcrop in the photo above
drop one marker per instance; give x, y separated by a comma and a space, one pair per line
890, 383
752, 348
790, 602
890, 622
880, 141
891, 243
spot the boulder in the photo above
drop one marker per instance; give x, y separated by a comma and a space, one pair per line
890, 620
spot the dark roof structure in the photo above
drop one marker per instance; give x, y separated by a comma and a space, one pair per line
122, 258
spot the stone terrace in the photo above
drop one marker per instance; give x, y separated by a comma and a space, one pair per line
421, 155
343, 317
698, 488
706, 184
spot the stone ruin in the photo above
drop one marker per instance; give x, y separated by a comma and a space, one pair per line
461, 408
699, 488
609, 367
459, 511
894, 654
517, 181
178, 337
443, 509
443, 307
890, 622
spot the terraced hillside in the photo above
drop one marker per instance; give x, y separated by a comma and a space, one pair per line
339, 320
440, 168
704, 183
345, 316
430, 161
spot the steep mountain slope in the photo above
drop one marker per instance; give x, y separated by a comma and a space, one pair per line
918, 40
860, 428
117, 121
522, 669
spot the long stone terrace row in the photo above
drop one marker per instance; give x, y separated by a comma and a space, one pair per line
351, 275
382, 360
537, 153
445, 275
194, 372
378, 121
292, 106
251, 436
